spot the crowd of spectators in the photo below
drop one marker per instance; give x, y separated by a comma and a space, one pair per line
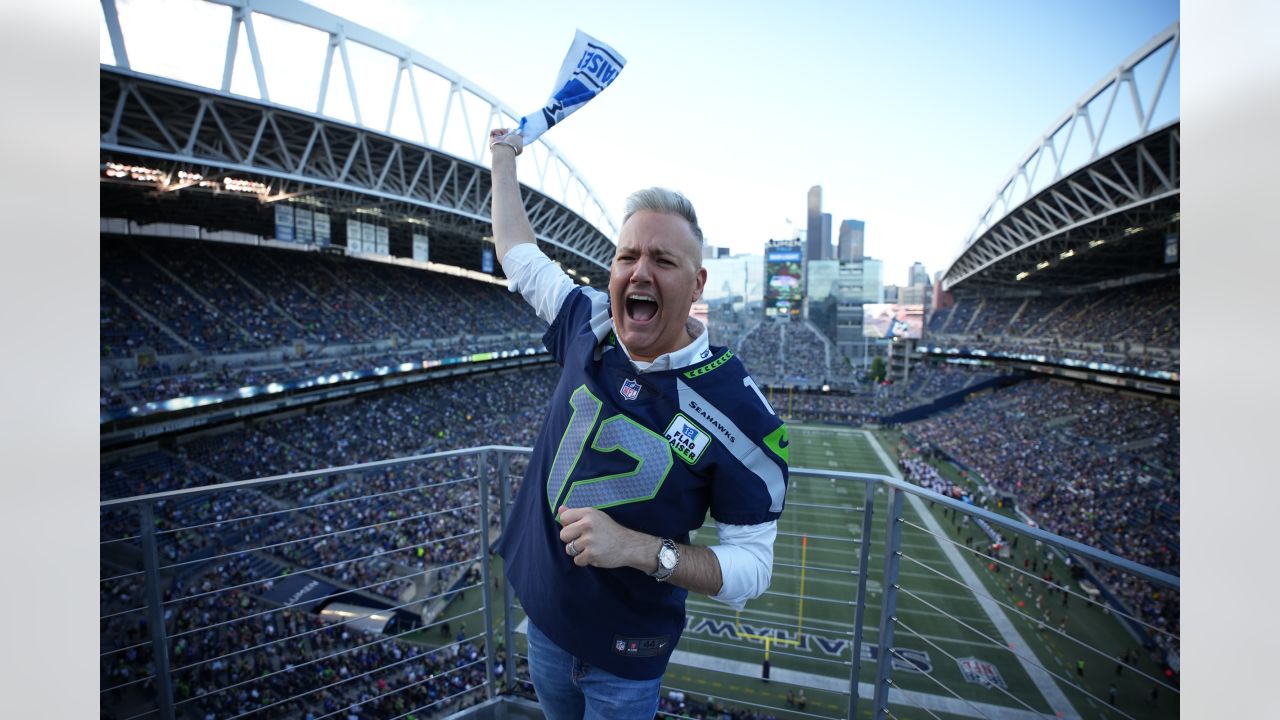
181, 318
1089, 464
678, 704
231, 653
786, 353
761, 347
1134, 326
371, 532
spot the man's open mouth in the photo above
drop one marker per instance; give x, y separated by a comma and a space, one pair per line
641, 307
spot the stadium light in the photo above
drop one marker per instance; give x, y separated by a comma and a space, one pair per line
1042, 265
1095, 243
1022, 275
585, 280
1067, 254
1133, 230
244, 186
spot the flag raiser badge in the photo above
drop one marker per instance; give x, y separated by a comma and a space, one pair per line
687, 439
630, 389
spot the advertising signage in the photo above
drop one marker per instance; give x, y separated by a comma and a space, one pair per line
784, 281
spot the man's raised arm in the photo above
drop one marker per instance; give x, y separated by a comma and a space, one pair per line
510, 221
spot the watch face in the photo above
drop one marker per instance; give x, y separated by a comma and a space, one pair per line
667, 557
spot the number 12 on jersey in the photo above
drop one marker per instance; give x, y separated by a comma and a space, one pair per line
618, 433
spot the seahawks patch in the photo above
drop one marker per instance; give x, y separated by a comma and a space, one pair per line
687, 439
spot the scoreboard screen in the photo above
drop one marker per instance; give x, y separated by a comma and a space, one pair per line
886, 320
784, 281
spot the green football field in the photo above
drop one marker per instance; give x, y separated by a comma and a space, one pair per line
806, 619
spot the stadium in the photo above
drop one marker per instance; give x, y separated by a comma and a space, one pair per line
317, 399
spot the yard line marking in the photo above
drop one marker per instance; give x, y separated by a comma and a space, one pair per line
1039, 676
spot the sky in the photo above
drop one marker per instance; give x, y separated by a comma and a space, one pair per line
908, 114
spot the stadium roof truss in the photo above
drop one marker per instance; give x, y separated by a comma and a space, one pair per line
319, 150
1085, 183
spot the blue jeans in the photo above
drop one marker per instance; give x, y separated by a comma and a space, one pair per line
569, 689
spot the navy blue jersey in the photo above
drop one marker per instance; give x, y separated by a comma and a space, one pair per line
655, 451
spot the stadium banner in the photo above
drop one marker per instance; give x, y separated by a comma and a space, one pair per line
589, 67
355, 241
1171, 250
321, 221
299, 589
370, 233
486, 258
891, 320
284, 222
383, 240
784, 281
421, 248
302, 221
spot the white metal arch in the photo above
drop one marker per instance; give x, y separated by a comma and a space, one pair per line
464, 112
1084, 134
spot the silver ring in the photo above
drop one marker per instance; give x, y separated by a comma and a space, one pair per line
573, 549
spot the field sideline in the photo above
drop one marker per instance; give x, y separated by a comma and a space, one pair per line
940, 621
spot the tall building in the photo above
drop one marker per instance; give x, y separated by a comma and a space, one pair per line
822, 278
849, 301
739, 276
827, 253
872, 280
852, 233
913, 295
822, 299
813, 229
918, 276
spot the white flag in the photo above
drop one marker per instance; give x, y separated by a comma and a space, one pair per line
589, 67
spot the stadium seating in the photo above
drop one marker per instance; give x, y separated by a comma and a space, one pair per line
1088, 464
786, 353
180, 318
1134, 326
374, 533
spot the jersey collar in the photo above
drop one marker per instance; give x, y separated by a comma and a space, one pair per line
694, 352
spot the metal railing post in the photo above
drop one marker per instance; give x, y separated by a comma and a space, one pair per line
484, 572
155, 612
508, 597
889, 582
864, 565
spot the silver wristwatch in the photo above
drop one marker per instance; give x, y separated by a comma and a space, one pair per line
668, 559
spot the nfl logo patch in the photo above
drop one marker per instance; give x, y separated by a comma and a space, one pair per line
630, 389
